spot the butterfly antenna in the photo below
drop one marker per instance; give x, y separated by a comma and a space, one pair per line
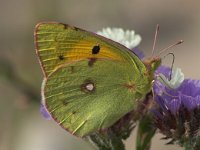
172, 54
177, 43
155, 38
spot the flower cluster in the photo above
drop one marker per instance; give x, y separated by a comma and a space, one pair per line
177, 113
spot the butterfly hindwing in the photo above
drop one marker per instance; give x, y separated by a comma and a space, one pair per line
84, 99
58, 43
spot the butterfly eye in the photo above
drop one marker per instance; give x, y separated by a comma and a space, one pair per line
96, 49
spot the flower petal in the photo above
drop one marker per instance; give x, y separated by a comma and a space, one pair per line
174, 106
161, 102
44, 112
138, 52
127, 38
164, 70
188, 101
190, 87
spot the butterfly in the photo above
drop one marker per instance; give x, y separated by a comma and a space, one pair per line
90, 82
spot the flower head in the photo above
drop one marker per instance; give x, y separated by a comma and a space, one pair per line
177, 109
177, 114
127, 38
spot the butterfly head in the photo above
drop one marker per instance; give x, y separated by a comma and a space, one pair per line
152, 64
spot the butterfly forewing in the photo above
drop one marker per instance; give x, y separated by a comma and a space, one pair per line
58, 43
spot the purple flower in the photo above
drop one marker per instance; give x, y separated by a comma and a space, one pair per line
187, 96
138, 52
177, 111
166, 71
44, 112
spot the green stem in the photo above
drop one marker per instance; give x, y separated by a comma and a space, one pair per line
107, 141
145, 133
192, 143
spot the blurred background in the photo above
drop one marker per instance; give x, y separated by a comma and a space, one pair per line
21, 125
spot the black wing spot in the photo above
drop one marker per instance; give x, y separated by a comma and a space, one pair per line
61, 57
96, 49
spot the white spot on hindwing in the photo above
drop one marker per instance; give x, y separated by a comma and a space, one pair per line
89, 86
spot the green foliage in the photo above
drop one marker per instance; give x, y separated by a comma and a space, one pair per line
106, 141
145, 133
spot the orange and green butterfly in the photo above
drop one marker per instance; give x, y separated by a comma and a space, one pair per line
90, 82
